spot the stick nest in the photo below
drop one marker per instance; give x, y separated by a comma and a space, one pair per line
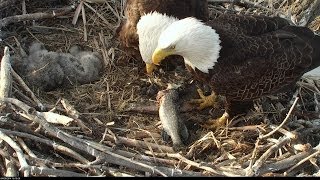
111, 127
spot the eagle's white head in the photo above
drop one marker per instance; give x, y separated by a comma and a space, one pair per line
149, 29
198, 43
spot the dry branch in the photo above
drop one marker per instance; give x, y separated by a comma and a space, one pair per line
138, 144
77, 13
109, 25
256, 167
288, 172
200, 166
97, 150
71, 111
37, 171
152, 108
25, 147
57, 147
23, 162
34, 16
284, 164
5, 75
27, 89
284, 121
9, 168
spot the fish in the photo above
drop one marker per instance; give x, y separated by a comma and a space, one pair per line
169, 113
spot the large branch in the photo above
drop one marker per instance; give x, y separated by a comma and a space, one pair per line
35, 16
5, 75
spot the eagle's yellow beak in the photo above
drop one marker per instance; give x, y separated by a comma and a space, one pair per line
150, 67
160, 54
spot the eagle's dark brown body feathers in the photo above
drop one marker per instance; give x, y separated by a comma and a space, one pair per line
259, 56
127, 32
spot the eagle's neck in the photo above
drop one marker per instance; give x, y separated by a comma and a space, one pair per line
203, 54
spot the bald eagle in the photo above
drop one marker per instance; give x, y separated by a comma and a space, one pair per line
127, 31
241, 57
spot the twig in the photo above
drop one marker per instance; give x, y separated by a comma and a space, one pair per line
112, 157
9, 163
60, 148
173, 172
27, 89
103, 50
143, 109
209, 136
75, 115
247, 128
77, 13
284, 121
19, 95
153, 109
141, 157
50, 163
302, 161
291, 135
53, 172
84, 20
5, 74
26, 148
283, 164
198, 165
113, 11
19, 104
249, 170
139, 144
6, 121
57, 147
35, 16
83, 144
282, 141
70, 109
56, 118
11, 168
14, 145
108, 96
110, 26
24, 8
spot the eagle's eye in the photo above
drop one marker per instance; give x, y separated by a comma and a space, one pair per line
172, 47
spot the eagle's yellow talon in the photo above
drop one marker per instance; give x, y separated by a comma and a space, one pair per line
201, 94
216, 124
205, 101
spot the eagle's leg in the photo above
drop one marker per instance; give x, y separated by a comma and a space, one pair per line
205, 101
232, 108
217, 123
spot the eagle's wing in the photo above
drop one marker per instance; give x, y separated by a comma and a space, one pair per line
253, 79
266, 64
249, 25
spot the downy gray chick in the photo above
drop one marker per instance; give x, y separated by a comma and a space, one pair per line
49, 70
